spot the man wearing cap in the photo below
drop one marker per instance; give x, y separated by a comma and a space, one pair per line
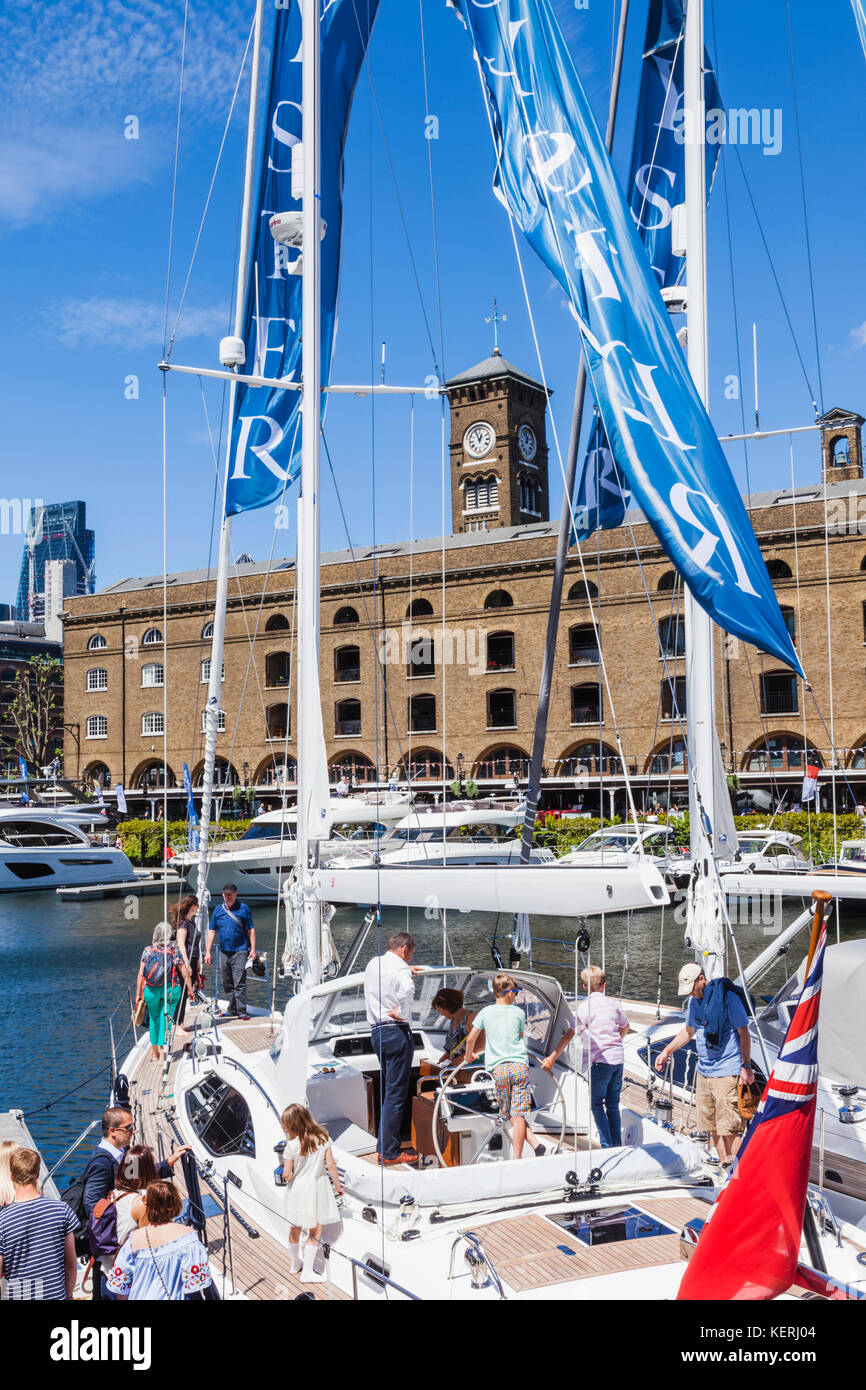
231, 921
717, 1020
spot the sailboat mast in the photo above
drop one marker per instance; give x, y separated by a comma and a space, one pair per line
229, 354
700, 671
309, 707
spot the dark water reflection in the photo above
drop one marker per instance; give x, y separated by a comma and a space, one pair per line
65, 970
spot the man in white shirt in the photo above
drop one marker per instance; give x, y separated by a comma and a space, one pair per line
389, 989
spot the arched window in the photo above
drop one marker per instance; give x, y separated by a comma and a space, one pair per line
97, 679
503, 762
205, 671
278, 669
421, 657
344, 616
347, 717
221, 721
347, 664
97, 726
582, 645
277, 772
153, 777
673, 698
500, 651
579, 592
501, 709
277, 718
590, 760
482, 495
419, 608
224, 774
277, 622
586, 704
207, 632
529, 496
778, 692
97, 642
667, 582
499, 598
422, 714
777, 569
353, 768
782, 753
425, 765
152, 638
672, 634
153, 723
99, 774
671, 757
152, 675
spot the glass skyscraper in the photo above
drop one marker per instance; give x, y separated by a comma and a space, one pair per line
63, 536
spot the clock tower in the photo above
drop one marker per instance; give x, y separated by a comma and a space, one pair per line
498, 447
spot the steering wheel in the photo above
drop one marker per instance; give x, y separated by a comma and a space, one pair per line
494, 1121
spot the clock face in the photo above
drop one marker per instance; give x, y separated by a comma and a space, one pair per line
526, 442
479, 439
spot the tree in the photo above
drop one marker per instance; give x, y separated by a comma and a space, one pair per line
35, 713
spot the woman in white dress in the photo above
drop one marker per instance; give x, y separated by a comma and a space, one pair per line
310, 1202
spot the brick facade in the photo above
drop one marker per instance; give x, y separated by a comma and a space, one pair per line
373, 664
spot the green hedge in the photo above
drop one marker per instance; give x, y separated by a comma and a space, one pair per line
143, 839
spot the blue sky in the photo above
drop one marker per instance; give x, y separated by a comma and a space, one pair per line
84, 217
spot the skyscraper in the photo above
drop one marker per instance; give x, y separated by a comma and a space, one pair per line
57, 531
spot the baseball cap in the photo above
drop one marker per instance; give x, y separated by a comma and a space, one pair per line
687, 977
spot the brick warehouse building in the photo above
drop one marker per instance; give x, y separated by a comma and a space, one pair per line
401, 681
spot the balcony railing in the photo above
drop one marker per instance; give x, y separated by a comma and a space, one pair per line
585, 714
348, 673
348, 726
583, 656
779, 702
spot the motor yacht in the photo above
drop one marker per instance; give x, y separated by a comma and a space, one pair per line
262, 858
458, 834
42, 849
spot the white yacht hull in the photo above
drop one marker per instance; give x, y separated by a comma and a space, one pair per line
69, 866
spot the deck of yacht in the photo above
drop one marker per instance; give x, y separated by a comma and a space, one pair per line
256, 1265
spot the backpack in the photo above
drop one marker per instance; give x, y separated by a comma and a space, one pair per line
155, 967
73, 1196
102, 1227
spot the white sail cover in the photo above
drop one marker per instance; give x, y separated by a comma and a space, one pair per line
841, 1035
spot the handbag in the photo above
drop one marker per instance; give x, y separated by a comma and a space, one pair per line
748, 1098
140, 1012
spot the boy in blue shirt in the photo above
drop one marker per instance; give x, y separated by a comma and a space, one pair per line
507, 1060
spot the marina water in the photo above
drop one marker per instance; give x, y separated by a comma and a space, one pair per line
66, 969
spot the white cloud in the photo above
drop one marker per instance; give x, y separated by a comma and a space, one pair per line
71, 74
858, 336
126, 323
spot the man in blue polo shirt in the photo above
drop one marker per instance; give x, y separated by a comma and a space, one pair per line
231, 921
716, 1018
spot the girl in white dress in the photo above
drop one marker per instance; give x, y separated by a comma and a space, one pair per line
310, 1202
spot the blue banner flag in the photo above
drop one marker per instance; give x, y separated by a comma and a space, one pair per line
600, 500
191, 813
266, 438
25, 793
657, 176
555, 176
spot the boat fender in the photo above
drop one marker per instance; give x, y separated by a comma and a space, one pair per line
120, 1091
369, 1214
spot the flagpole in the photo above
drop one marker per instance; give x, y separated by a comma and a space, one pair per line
533, 790
704, 908
229, 351
309, 699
